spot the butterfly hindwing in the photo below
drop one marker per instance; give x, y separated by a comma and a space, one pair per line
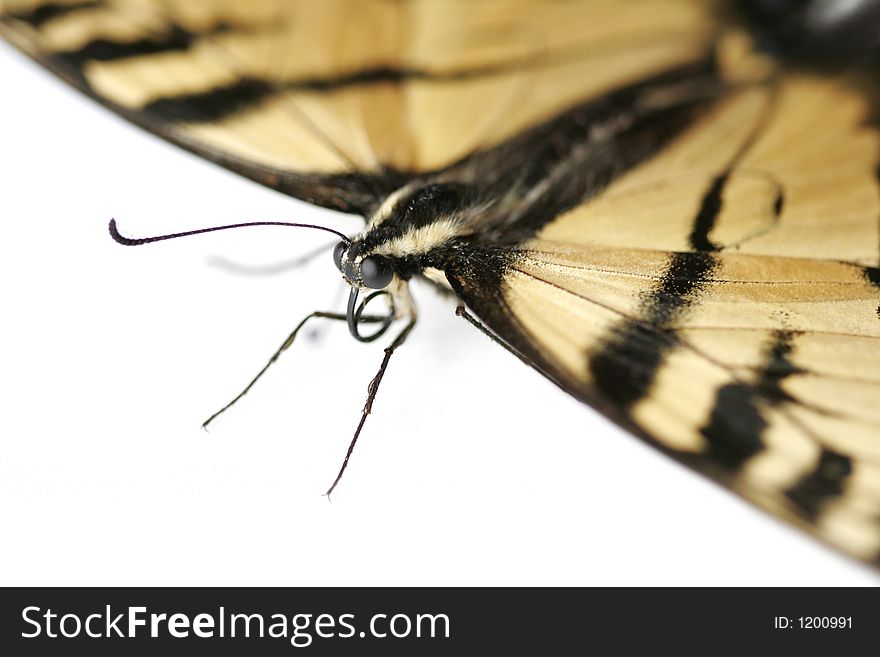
722, 300
674, 228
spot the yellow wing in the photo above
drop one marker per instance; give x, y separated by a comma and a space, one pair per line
719, 296
722, 300
786, 167
339, 101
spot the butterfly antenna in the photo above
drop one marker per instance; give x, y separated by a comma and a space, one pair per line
129, 241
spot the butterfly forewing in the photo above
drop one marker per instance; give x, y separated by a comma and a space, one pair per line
326, 99
671, 226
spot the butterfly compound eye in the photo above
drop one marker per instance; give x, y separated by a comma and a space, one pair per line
339, 251
376, 272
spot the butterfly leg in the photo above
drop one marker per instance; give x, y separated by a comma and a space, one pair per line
372, 389
461, 311
371, 319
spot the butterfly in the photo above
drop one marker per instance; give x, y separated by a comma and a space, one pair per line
669, 208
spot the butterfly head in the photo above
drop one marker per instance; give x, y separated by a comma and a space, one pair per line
408, 233
371, 271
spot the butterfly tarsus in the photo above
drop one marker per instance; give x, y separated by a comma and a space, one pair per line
372, 390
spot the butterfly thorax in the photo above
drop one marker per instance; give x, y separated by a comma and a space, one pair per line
417, 227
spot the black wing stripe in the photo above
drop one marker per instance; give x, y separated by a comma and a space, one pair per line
736, 423
710, 208
42, 14
175, 39
777, 367
225, 101
213, 105
764, 386
397, 75
712, 202
682, 282
685, 276
824, 483
352, 192
735, 426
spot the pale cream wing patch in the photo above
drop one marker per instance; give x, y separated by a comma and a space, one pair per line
786, 167
333, 86
762, 372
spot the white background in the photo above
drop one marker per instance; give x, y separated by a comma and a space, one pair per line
473, 470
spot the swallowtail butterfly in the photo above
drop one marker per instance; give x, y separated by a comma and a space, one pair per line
669, 208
